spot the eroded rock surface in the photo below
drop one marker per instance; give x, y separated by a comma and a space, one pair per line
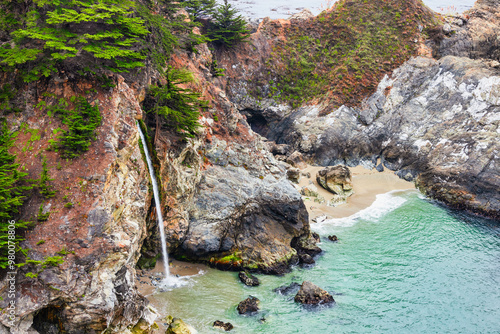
311, 294
436, 122
248, 279
249, 306
98, 238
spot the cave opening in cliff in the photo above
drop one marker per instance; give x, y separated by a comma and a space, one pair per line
257, 122
48, 321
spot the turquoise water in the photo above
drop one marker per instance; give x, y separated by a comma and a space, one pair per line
404, 265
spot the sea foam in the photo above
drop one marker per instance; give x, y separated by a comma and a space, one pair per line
383, 204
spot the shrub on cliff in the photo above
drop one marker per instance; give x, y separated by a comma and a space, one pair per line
106, 30
12, 186
82, 121
227, 27
116, 35
175, 107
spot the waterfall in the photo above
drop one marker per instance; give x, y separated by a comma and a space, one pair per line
157, 204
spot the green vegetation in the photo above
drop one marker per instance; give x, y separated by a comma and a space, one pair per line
342, 54
175, 107
7, 93
168, 31
231, 258
227, 27
82, 121
13, 185
43, 183
52, 261
42, 216
199, 8
103, 33
90, 36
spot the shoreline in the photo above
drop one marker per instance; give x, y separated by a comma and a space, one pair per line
367, 184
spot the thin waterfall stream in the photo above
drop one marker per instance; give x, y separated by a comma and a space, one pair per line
156, 194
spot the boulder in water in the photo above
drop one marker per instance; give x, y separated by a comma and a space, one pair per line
333, 238
311, 294
227, 326
249, 306
305, 258
248, 279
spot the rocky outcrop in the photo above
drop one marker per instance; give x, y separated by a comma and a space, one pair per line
311, 294
177, 326
433, 121
249, 306
98, 237
473, 34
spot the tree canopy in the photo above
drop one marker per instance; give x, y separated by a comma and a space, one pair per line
227, 27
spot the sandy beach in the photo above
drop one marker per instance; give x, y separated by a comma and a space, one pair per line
367, 184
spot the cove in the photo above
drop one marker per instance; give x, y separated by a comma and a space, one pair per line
405, 265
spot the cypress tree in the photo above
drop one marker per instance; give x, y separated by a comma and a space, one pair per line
175, 107
199, 8
227, 27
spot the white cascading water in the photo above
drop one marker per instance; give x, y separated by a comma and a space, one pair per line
157, 204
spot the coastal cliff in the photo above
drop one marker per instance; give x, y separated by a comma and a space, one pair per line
226, 199
432, 120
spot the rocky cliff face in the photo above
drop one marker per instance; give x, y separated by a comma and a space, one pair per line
98, 236
436, 122
225, 199
432, 121
229, 202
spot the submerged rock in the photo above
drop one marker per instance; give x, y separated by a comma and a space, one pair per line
248, 306
333, 238
248, 279
288, 289
312, 294
227, 326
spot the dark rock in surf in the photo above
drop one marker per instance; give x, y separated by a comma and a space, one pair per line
248, 279
333, 238
311, 294
249, 306
227, 326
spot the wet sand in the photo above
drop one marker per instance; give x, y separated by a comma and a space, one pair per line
367, 184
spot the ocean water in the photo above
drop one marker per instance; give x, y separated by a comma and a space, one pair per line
279, 9
405, 265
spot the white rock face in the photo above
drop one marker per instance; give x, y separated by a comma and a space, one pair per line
436, 122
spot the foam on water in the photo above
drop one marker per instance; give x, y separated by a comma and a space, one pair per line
383, 204
174, 281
